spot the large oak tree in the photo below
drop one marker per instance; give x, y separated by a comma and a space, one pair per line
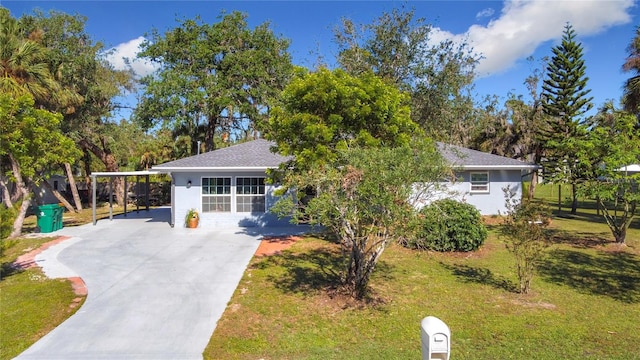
214, 79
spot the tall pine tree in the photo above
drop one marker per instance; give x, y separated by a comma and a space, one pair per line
565, 100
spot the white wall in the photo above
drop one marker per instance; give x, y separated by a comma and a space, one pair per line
493, 202
186, 198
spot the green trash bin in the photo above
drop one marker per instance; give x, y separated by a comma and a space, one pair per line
47, 217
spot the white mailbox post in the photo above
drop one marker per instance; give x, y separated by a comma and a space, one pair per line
436, 339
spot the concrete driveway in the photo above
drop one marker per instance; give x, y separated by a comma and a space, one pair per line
154, 292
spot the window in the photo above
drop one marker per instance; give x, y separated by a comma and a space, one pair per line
479, 182
250, 195
216, 194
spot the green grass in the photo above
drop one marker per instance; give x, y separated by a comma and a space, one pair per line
585, 303
31, 305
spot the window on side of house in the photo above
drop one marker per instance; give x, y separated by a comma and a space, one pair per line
250, 194
216, 194
479, 182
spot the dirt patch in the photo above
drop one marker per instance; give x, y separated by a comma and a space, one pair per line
272, 245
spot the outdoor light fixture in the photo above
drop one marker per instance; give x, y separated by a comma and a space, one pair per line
188, 184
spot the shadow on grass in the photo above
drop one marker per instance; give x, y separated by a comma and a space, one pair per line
584, 240
612, 274
479, 275
8, 269
312, 271
305, 273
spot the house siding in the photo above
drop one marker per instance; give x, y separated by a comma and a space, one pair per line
493, 201
187, 198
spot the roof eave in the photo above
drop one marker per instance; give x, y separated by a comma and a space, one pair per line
209, 169
497, 167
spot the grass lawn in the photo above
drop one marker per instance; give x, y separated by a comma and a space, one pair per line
585, 303
31, 305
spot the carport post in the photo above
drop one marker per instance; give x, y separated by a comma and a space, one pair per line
126, 196
173, 202
93, 190
110, 198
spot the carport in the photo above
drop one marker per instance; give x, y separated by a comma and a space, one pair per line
125, 174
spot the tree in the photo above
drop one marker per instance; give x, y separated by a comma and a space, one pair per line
325, 111
398, 48
23, 66
366, 199
613, 143
31, 141
631, 96
80, 67
565, 99
213, 79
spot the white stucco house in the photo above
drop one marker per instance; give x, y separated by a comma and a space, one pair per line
481, 177
227, 186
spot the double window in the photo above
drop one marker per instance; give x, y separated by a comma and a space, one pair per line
248, 194
216, 194
479, 182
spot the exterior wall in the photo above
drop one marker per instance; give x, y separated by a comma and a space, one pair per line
186, 198
493, 201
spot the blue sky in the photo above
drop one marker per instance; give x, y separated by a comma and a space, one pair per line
505, 32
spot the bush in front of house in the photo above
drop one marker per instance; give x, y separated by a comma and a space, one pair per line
448, 225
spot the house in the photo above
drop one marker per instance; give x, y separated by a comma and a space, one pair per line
481, 177
228, 185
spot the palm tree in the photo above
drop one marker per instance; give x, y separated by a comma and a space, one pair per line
23, 66
631, 96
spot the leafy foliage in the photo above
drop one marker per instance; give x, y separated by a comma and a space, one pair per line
399, 48
213, 79
327, 111
524, 233
448, 225
631, 96
32, 141
613, 143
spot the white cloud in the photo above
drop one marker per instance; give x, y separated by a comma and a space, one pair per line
129, 50
525, 24
488, 12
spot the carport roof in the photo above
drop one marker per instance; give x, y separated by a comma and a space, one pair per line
251, 155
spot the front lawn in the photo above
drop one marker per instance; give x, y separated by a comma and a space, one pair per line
31, 305
585, 303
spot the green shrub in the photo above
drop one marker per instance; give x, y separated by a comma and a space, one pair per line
448, 225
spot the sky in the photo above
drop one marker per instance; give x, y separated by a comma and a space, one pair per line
505, 33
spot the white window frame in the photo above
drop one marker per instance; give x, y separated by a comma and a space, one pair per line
479, 186
225, 198
250, 191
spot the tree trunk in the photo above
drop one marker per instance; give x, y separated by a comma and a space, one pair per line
6, 195
574, 202
73, 187
58, 196
532, 185
111, 164
621, 235
87, 170
24, 193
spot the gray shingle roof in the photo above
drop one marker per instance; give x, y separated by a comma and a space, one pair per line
458, 156
252, 154
257, 154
